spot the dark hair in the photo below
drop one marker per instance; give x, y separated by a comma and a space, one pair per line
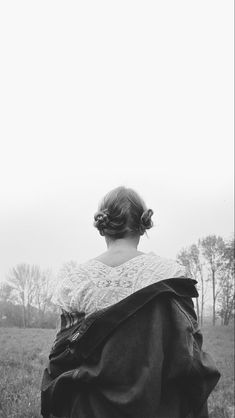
122, 212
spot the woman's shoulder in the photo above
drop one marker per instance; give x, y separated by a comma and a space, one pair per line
155, 269
168, 266
70, 276
70, 273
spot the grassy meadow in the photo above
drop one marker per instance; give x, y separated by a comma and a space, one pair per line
24, 352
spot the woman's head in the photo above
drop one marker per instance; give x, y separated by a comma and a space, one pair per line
122, 213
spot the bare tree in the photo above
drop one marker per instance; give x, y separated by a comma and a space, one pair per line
213, 248
227, 295
191, 259
19, 281
30, 287
42, 291
197, 258
188, 258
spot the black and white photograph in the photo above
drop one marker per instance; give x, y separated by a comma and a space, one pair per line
117, 296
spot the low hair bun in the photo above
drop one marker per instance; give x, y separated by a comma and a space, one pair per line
122, 213
145, 220
101, 221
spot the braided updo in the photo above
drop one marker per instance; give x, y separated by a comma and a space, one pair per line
121, 213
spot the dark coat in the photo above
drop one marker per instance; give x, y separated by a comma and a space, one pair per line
139, 358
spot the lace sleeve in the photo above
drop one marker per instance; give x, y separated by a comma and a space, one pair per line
62, 295
69, 279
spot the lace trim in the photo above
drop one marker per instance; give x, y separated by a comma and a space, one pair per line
93, 285
131, 260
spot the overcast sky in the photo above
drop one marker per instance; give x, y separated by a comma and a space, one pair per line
94, 95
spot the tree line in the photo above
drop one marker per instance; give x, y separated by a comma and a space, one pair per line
211, 263
26, 293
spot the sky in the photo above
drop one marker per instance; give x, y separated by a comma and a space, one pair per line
94, 95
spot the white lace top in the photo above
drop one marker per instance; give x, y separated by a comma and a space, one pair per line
93, 285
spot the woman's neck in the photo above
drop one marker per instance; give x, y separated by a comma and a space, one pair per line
122, 244
119, 251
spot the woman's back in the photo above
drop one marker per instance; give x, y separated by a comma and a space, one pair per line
95, 285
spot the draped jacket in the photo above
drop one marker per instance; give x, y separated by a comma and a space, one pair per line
139, 358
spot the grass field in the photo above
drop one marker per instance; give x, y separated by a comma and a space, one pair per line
24, 354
